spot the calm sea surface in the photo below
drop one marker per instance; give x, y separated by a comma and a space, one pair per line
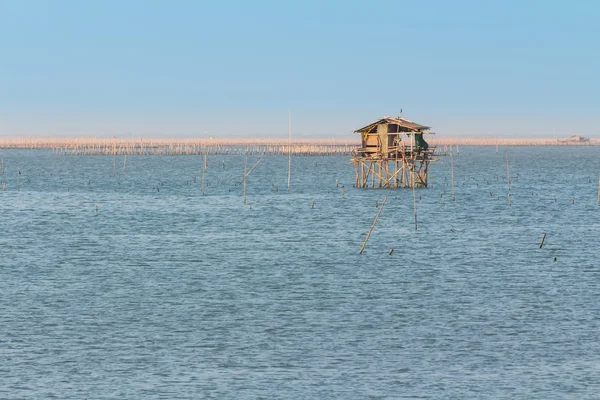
165, 293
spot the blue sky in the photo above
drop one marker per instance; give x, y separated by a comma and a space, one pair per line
233, 69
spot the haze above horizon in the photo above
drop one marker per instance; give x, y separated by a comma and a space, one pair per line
233, 69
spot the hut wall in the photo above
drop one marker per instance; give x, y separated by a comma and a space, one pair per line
371, 141
382, 132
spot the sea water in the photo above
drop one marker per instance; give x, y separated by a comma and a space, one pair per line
121, 279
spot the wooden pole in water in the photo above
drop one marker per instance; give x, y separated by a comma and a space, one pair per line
415, 207
203, 171
508, 170
598, 190
114, 155
543, 238
245, 168
124, 162
251, 169
289, 148
373, 226
452, 165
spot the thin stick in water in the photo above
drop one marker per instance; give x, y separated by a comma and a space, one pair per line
373, 226
251, 169
245, 168
415, 207
203, 171
114, 156
452, 167
508, 170
543, 238
289, 148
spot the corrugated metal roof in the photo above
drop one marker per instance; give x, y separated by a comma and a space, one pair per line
403, 122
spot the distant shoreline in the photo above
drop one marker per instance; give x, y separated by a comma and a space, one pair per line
297, 144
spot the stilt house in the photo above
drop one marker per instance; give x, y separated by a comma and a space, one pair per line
393, 154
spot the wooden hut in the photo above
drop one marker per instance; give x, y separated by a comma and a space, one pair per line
393, 154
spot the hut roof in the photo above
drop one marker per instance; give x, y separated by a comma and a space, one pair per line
403, 122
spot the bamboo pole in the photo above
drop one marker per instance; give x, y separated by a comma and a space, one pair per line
251, 169
415, 207
543, 238
245, 168
452, 168
508, 170
203, 172
372, 171
373, 226
114, 156
289, 148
